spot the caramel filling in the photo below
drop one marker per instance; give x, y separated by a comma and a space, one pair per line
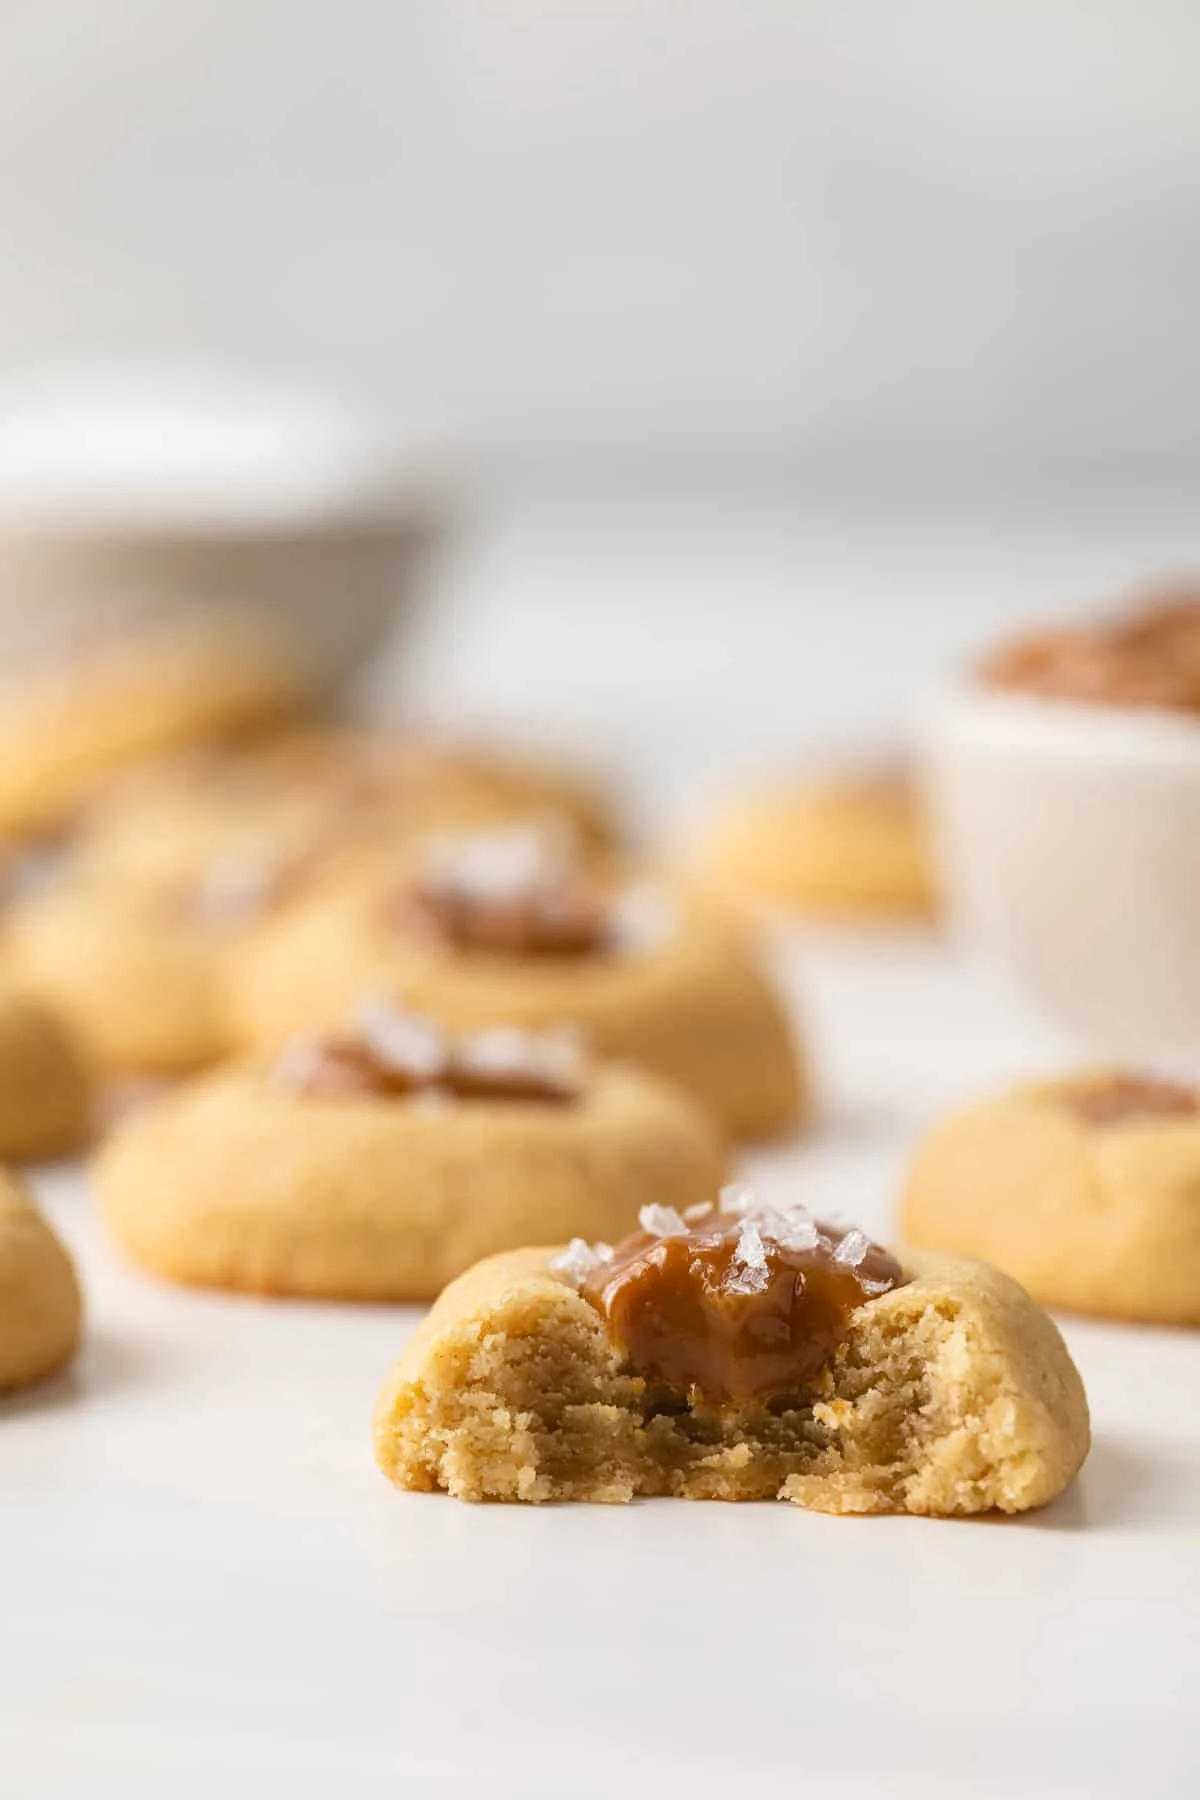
395, 1058
559, 920
515, 892
729, 1307
1117, 1099
1149, 658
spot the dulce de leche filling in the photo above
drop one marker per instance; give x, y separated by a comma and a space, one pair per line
1120, 1099
734, 1302
517, 892
564, 922
394, 1055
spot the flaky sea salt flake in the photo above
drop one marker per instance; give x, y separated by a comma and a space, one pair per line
662, 1222
502, 865
794, 1229
499, 1050
853, 1249
298, 1064
402, 1041
559, 1055
581, 1260
578, 1261
749, 1271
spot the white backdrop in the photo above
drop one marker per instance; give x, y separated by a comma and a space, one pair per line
709, 230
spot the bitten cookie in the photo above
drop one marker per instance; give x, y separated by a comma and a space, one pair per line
512, 928
1087, 1190
379, 1164
843, 843
41, 1309
737, 1353
45, 1092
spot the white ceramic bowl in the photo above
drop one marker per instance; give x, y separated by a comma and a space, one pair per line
1068, 838
143, 492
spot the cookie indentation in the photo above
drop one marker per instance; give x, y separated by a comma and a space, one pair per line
1120, 1099
395, 1055
736, 1302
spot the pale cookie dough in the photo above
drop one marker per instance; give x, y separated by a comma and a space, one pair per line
81, 711
45, 1091
139, 980
1087, 1190
679, 989
241, 1181
41, 1309
304, 795
953, 1394
837, 844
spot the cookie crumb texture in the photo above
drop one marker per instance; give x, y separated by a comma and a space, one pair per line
954, 1394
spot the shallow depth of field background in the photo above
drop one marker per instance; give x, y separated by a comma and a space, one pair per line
788, 348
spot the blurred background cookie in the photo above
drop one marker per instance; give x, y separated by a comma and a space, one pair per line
139, 978
378, 1163
1085, 1189
517, 928
312, 790
838, 843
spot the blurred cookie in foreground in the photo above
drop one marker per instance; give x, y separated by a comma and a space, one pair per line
46, 1097
379, 1162
1085, 1189
836, 843
520, 928
41, 1307
317, 790
739, 1351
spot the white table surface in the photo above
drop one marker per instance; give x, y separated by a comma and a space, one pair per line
207, 1588
206, 1585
